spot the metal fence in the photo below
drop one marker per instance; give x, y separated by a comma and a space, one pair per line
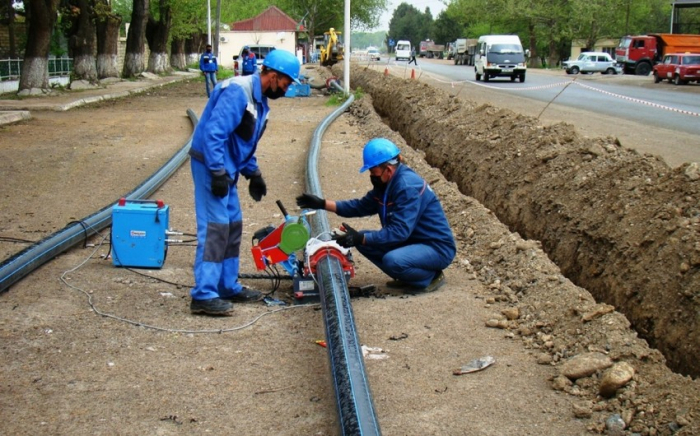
11, 69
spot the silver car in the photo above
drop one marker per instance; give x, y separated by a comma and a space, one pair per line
592, 62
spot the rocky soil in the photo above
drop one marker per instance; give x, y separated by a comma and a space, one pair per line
93, 349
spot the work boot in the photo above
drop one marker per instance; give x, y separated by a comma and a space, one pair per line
213, 306
433, 286
246, 295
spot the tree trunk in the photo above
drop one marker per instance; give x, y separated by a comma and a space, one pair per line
41, 17
12, 52
81, 39
533, 60
107, 24
157, 33
193, 48
133, 59
177, 54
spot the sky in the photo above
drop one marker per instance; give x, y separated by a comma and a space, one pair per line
435, 8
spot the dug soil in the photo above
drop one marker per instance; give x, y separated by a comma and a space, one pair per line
89, 348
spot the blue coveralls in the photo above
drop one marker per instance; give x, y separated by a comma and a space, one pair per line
415, 241
209, 66
250, 64
225, 140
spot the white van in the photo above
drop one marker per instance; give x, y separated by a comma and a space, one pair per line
403, 49
500, 56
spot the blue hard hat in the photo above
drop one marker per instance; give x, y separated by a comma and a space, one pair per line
284, 62
378, 151
245, 47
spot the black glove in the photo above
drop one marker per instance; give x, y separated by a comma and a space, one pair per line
351, 238
220, 185
257, 187
309, 201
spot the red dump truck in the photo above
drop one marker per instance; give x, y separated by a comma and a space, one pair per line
430, 50
638, 54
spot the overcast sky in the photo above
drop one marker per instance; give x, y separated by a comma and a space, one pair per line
435, 8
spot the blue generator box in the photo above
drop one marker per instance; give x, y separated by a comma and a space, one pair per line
139, 233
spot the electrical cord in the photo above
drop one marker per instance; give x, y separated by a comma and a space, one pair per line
15, 240
95, 309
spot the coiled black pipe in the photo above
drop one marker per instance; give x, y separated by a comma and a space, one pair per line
21, 264
356, 411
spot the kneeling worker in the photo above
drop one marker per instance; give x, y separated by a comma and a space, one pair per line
415, 242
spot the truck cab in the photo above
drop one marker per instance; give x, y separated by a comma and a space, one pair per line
500, 56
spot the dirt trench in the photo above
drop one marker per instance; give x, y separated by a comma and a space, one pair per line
620, 224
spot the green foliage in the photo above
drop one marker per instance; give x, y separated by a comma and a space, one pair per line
338, 98
362, 40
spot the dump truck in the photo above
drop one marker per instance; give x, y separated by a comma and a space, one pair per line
638, 54
428, 49
463, 51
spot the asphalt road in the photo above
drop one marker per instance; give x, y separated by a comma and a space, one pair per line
632, 98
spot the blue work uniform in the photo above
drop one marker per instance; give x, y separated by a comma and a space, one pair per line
224, 141
415, 242
209, 66
250, 64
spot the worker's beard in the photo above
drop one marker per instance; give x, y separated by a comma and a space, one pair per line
274, 95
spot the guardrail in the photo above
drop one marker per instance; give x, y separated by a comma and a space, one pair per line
11, 69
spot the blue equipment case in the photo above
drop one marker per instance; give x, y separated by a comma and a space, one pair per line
139, 233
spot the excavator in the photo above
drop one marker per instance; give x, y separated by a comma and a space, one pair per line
331, 49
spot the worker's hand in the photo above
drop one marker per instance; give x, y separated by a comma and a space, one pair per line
309, 201
220, 185
257, 187
351, 238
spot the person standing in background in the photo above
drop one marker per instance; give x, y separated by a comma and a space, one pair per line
209, 67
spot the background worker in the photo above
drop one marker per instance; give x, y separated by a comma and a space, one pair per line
413, 57
415, 242
209, 67
223, 149
250, 62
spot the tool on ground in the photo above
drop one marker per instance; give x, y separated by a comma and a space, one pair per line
279, 246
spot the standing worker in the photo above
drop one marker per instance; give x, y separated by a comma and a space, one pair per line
413, 57
415, 242
209, 67
223, 148
249, 63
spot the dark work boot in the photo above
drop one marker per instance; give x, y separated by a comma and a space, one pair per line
214, 306
247, 295
433, 286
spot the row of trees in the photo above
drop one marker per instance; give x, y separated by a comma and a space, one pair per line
547, 27
173, 30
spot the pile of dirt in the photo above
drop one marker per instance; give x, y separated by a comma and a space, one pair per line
622, 225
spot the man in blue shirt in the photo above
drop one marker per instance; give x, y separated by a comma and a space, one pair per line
209, 67
223, 149
415, 242
249, 62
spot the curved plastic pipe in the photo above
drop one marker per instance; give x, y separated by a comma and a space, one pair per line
355, 407
21, 264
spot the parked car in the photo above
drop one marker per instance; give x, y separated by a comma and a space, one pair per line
260, 52
373, 54
679, 68
592, 62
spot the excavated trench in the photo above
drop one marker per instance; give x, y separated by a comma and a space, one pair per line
620, 224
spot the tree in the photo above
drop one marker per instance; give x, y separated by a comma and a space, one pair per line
157, 34
446, 29
41, 18
78, 21
407, 23
135, 40
9, 9
107, 27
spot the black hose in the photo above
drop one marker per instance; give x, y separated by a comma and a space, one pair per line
354, 401
21, 264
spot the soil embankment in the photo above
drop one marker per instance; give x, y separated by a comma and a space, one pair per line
622, 225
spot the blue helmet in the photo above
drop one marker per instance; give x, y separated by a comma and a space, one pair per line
378, 151
284, 62
245, 47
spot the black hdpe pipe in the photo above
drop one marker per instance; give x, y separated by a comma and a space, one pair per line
21, 264
355, 407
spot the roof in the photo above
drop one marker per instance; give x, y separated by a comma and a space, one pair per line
271, 19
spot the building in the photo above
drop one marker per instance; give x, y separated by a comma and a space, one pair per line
270, 27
